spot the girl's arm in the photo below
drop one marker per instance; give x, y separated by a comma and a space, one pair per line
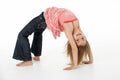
90, 57
68, 29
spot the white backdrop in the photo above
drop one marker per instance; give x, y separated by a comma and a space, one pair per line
99, 20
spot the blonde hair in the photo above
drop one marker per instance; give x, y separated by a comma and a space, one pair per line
83, 52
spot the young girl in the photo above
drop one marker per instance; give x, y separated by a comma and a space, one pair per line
57, 20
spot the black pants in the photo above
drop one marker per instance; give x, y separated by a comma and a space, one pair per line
22, 49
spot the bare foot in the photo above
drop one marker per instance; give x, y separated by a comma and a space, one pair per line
25, 63
36, 58
70, 68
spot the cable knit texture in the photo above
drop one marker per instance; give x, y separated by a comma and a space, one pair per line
55, 18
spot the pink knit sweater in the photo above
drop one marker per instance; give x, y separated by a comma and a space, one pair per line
55, 18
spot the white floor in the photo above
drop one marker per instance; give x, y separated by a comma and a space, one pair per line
106, 64
99, 19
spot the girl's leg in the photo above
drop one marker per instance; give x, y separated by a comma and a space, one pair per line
22, 48
37, 45
37, 40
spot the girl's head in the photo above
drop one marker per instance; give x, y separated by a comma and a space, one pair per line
80, 39
83, 50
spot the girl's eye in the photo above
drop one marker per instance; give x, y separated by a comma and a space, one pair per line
82, 38
77, 40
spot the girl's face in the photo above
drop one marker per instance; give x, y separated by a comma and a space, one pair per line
80, 39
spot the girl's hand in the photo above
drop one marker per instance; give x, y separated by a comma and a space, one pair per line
87, 62
70, 68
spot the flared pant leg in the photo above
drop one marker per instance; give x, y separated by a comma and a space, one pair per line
36, 47
22, 48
